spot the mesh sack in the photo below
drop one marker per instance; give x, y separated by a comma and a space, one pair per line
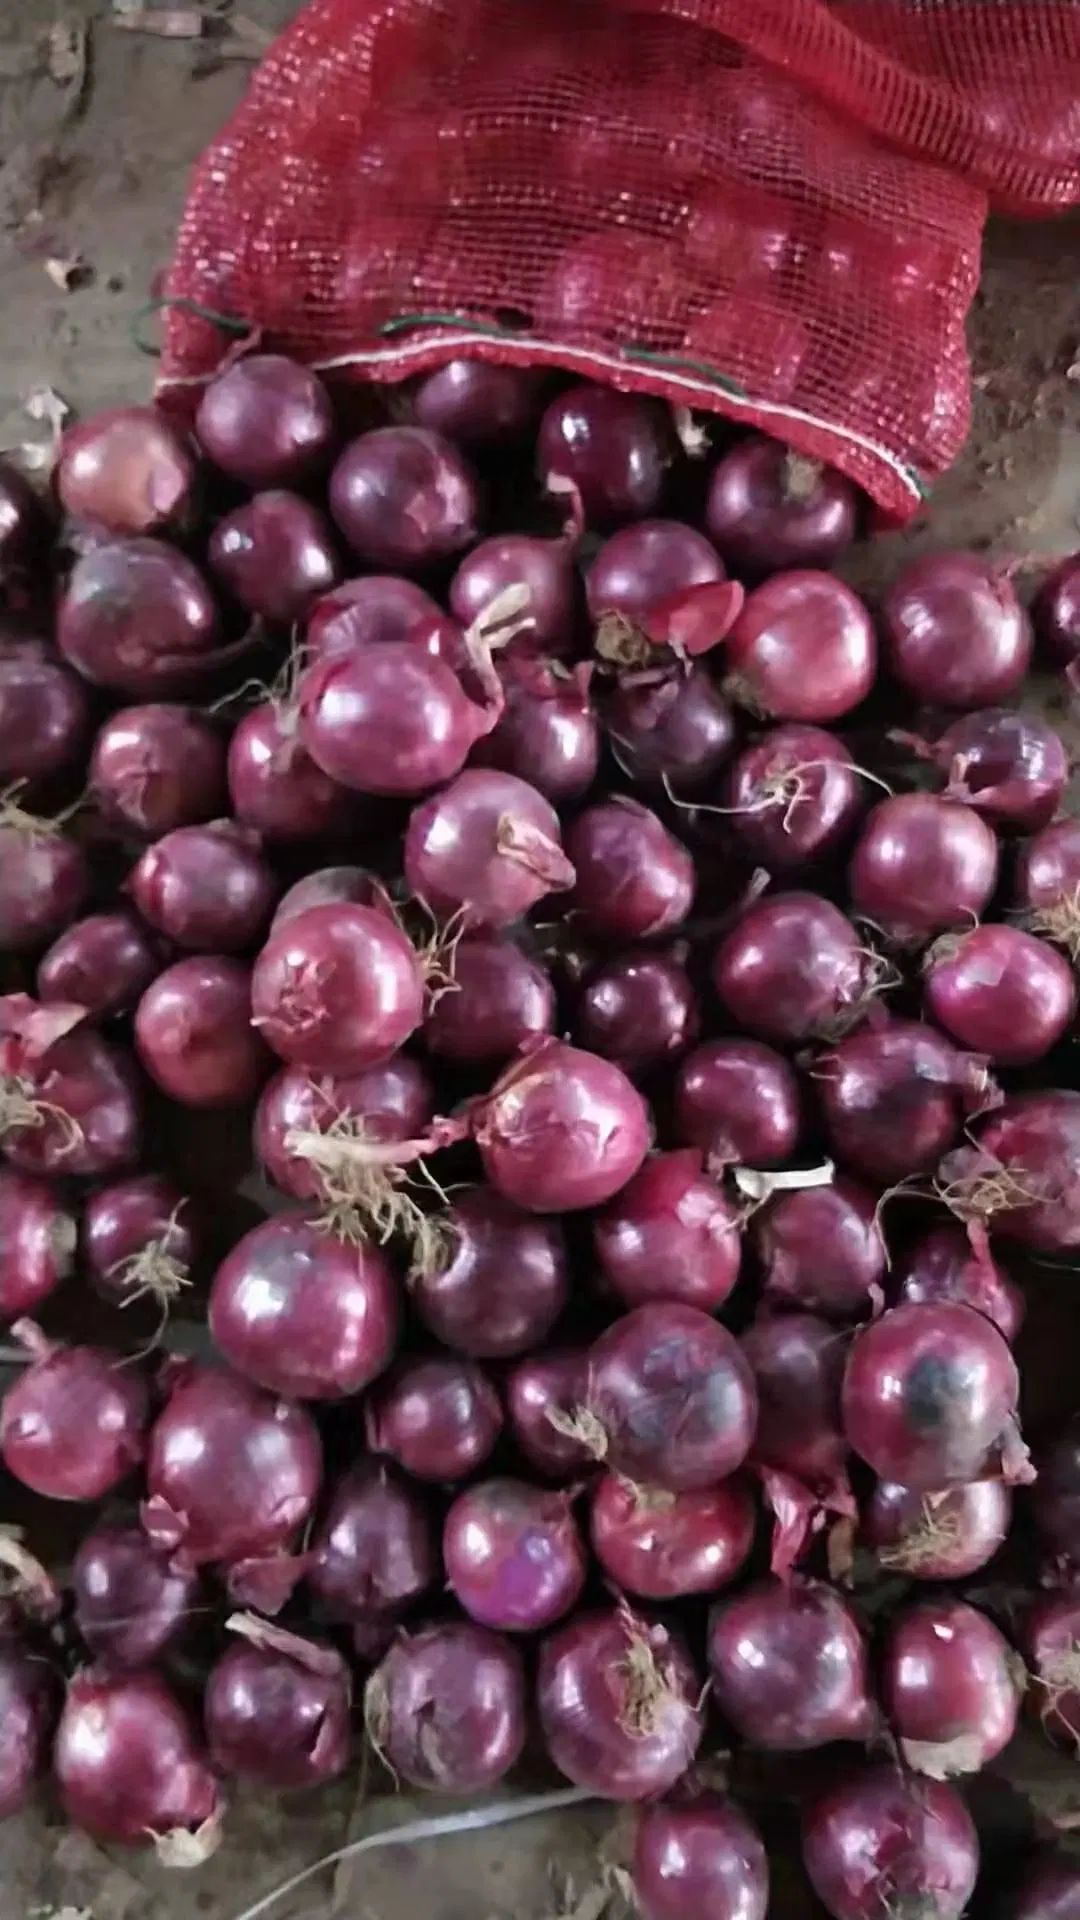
767, 208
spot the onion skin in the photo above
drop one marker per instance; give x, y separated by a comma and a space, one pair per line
513, 1555
562, 1129
275, 786
895, 1096
88, 1111
544, 1383
277, 1711
138, 618
126, 469
803, 648
44, 712
548, 733
25, 527
158, 767
1009, 766
1056, 614
489, 846
634, 879
789, 1667
943, 1265
674, 726
127, 1759
702, 1860
206, 888
38, 1238
124, 1221
476, 403
266, 421
502, 1283
739, 1102
404, 499
1035, 1137
73, 1425
131, 1601
796, 796
639, 1010
922, 865
767, 509
44, 882
374, 608
937, 1536
613, 447
951, 1687
670, 1235
798, 1365
1051, 1638
618, 1701
674, 1397
103, 963
1046, 881
390, 719
446, 1708
375, 1550
437, 1418
1050, 1889
193, 1035
648, 562
28, 1705
822, 1250
1001, 992
275, 555
792, 968
392, 1101
955, 634
879, 1823
657, 1545
497, 1000
545, 567
336, 989
328, 885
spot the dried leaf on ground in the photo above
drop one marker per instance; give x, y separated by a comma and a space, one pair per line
170, 23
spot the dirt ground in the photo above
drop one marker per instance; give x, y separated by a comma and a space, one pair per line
98, 128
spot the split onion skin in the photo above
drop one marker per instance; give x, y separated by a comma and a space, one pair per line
661, 1546
447, 1707
585, 1689
881, 1821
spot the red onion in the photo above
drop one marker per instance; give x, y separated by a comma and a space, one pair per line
477, 403
140, 1236
639, 1010
613, 448
44, 880
275, 788
796, 796
103, 963
702, 1860
131, 1602
803, 648
671, 1400
232, 1476
68, 1100
130, 1767
670, 1235
670, 727
487, 845
155, 768
548, 733
789, 1666
499, 1280
1050, 1889
921, 866
619, 1704
1010, 766
545, 568
391, 718
127, 469
438, 1418
792, 968
337, 989
38, 1238
28, 1700
24, 528
952, 1687
513, 1554
73, 1425
895, 1095
137, 617
44, 712
193, 1035
207, 888
1001, 992
1056, 1498
646, 563
739, 1102
1056, 614
404, 498
1047, 884
326, 887
798, 1364
561, 1129
955, 633
496, 999
375, 608
658, 1545
276, 1708
1052, 1648
880, 1828
634, 879
821, 1249
937, 1536
769, 508
275, 555
1021, 1177
446, 1708
930, 1397
266, 421
944, 1265
543, 1393
393, 1101
375, 1549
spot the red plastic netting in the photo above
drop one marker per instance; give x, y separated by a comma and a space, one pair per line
769, 208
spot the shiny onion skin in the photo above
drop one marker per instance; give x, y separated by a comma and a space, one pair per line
488, 846
1001, 992
700, 1859
275, 555
880, 1824
670, 1235
793, 968
206, 888
513, 1555
496, 999
391, 718
326, 886
336, 989
561, 1129
922, 865
373, 608
266, 421
29, 1692
613, 447
157, 767
1009, 766
1046, 883
955, 634
646, 563
73, 1424
130, 1767
404, 499
276, 1708
275, 786
543, 1392
138, 618
391, 1101
1021, 1177
796, 798
674, 726
75, 1102
945, 1535
194, 1036
375, 1548
634, 879
1051, 1642
803, 648
798, 1365
500, 1282
895, 1096
38, 1238
446, 1708
127, 469
44, 882
103, 963
656, 1545
943, 1265
1056, 614
952, 1689
618, 1702
437, 1417
789, 1666
822, 1250
739, 1101
672, 1398
545, 568
639, 1009
769, 509
132, 1602
45, 712
548, 733
476, 403
140, 1236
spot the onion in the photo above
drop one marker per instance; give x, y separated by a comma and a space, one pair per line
658, 1545
670, 727
1052, 1648
634, 879
375, 1549
232, 1476
702, 1860
613, 448
193, 1035
944, 1265
821, 1249
38, 1238
496, 999
1010, 766
44, 712
375, 608
328, 885
68, 1100
391, 718
438, 1418
646, 563
266, 421
803, 648
548, 733
73, 1425
792, 968
639, 1010
789, 1666
446, 1707
671, 1399
955, 633
127, 469
895, 1095
879, 1827
499, 1280
739, 1102
545, 568
921, 866
24, 528
1047, 884
542, 1395
276, 1708
769, 508
155, 768
1050, 1889
28, 1703
44, 880
404, 498
392, 1101
1056, 614
1001, 992
206, 888
796, 796
275, 788
798, 1363
477, 403
337, 988
103, 963
1056, 1499
513, 1554
1021, 1177
487, 845
131, 1602
130, 1767
937, 1536
619, 1704
670, 1235
137, 617
951, 1687
561, 1129
275, 555
930, 1398
140, 1236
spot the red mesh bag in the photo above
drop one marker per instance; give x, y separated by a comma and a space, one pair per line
767, 208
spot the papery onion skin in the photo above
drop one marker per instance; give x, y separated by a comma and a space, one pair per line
126, 1220
1035, 1138
404, 498
103, 963
276, 1717
29, 1693
951, 1689
674, 1396
648, 562
803, 648
44, 883
880, 1823
798, 1365
206, 888
658, 1545
157, 767
922, 865
597, 1731
488, 846
73, 1425
131, 1601
477, 402
266, 421
675, 727
375, 607
699, 1860
193, 1033
1051, 1641
1001, 992
38, 1238
127, 469
128, 1761
955, 634
137, 617
822, 1250
614, 448
502, 1282
671, 1234
634, 879
548, 733
639, 1010
544, 567
562, 1129
438, 1418
513, 1555
496, 999
44, 713
739, 1102
375, 1549
89, 1110
391, 1101
895, 1096
945, 1535
796, 797
792, 968
275, 555
336, 989
555, 1382
768, 508
275, 786
1009, 766
789, 1666
943, 1265
446, 1708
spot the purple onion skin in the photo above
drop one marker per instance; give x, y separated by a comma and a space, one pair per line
1047, 877
132, 1601
739, 1101
639, 1010
1056, 614
157, 767
29, 1702
1009, 766
797, 798
278, 1721
555, 1380
645, 563
375, 1550
944, 1266
546, 567
548, 734
73, 1425
955, 634
880, 1821
103, 963
1001, 992
44, 883
769, 509
1050, 1889
677, 728
24, 527
822, 1250
586, 1716
614, 448
702, 1860
946, 1535
438, 1418
44, 712
267, 422
275, 555
477, 403
447, 1707
789, 1666
635, 880
502, 1284
498, 999
922, 865
138, 618
513, 1554
128, 1761
404, 499
125, 1218
1056, 1497
38, 1239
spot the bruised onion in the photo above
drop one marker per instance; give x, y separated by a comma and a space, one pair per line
437, 1418
739, 1102
514, 1557
375, 1550
446, 1707
275, 555
671, 1399
276, 1707
73, 1425
137, 617
952, 1689
404, 498
945, 1535
659, 1545
194, 1035
822, 1249
639, 1009
266, 421
38, 1238
792, 968
130, 1767
132, 1602
895, 1096
803, 648
1001, 992
769, 508
103, 963
128, 469
498, 1281
561, 1129
921, 866
955, 632
336, 989
699, 1859
207, 888
670, 1235
789, 1666
487, 846
618, 1700
158, 767
880, 1826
